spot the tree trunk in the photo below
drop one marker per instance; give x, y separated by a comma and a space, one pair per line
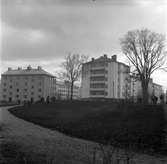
145, 95
72, 85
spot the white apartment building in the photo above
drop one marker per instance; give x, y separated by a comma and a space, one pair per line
63, 90
136, 89
27, 84
105, 78
157, 90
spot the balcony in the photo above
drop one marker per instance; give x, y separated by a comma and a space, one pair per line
98, 79
97, 75
98, 86
97, 89
98, 68
96, 93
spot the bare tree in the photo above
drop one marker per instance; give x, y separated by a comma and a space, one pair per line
145, 51
72, 69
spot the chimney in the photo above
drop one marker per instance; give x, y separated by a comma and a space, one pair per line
39, 68
29, 67
114, 58
93, 59
9, 68
19, 68
105, 55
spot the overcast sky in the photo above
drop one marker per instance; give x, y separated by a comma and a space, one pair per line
42, 32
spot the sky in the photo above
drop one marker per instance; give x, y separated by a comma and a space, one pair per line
43, 32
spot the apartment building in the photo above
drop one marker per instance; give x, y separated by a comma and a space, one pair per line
63, 90
157, 90
30, 84
105, 78
136, 89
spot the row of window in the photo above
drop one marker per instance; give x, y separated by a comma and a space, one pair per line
22, 77
17, 84
98, 85
98, 78
99, 71
98, 93
17, 90
17, 96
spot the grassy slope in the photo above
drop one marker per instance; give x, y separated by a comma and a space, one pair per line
121, 125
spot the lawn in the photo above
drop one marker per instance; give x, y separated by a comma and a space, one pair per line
119, 124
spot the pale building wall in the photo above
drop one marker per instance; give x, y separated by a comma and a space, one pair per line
113, 84
18, 86
85, 83
153, 89
157, 91
112, 80
49, 87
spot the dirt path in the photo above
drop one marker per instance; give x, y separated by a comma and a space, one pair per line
67, 150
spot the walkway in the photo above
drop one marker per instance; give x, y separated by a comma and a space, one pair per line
67, 150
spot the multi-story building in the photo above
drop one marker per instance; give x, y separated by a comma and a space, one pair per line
27, 84
63, 90
105, 78
136, 89
157, 90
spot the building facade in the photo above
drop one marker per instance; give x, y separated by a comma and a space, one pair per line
27, 84
136, 89
157, 90
105, 78
63, 90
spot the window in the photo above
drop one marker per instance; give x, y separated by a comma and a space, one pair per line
17, 90
10, 87
98, 78
17, 96
4, 84
11, 80
4, 89
99, 71
32, 93
25, 96
25, 83
39, 89
98, 85
98, 93
25, 90
32, 87
40, 83
4, 96
10, 93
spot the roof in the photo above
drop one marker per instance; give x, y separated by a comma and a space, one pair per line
28, 71
106, 59
158, 85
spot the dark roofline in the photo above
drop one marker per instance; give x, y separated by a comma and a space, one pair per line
27, 75
107, 59
27, 72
